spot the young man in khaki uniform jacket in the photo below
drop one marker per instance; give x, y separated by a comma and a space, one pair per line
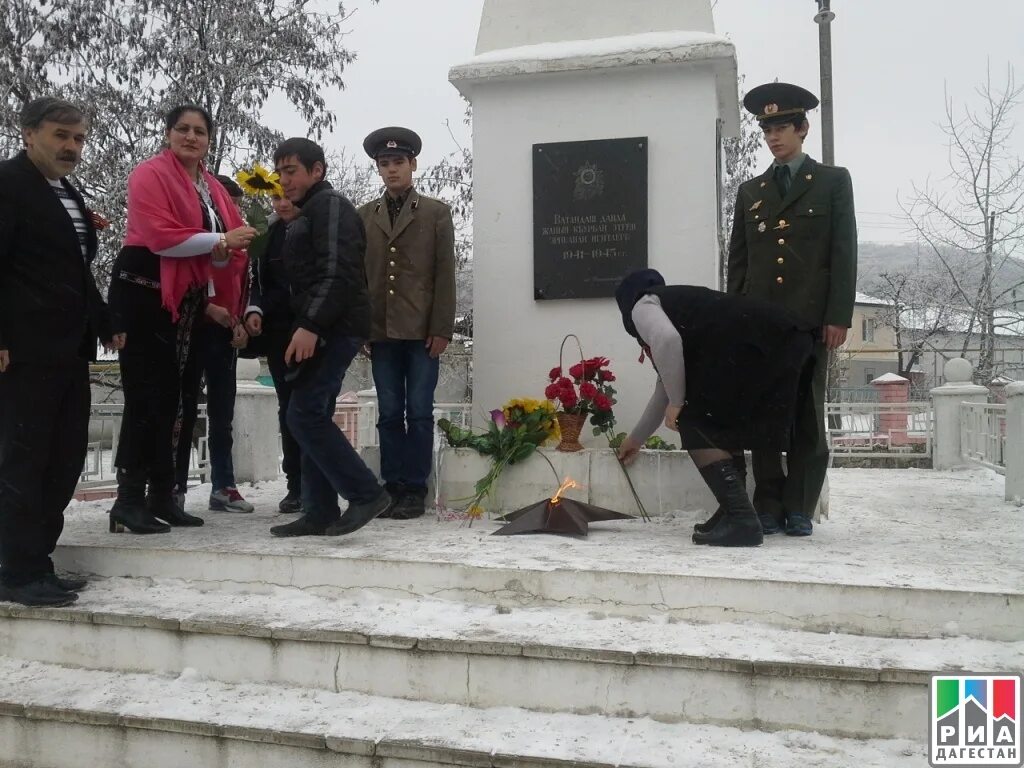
794, 243
410, 270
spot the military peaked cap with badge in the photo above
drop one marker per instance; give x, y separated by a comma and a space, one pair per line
779, 102
392, 141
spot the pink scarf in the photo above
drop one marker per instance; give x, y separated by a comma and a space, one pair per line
163, 211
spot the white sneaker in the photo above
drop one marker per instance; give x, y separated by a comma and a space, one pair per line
229, 500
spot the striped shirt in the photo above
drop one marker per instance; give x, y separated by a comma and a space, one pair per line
76, 214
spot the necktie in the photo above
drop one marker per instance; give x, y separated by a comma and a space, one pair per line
782, 180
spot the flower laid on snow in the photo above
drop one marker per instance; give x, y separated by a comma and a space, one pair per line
514, 433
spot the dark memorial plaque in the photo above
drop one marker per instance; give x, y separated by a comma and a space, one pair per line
589, 216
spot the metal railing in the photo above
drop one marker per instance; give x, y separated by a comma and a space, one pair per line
104, 431
460, 414
359, 420
983, 434
880, 429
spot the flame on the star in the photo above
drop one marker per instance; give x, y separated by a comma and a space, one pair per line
565, 486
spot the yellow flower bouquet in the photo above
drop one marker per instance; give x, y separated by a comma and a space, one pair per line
513, 434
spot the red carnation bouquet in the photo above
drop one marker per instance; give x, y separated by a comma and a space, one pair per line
586, 388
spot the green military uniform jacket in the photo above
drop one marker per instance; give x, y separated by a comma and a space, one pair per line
410, 268
801, 251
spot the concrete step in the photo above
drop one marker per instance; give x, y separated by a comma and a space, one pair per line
539, 658
55, 717
910, 584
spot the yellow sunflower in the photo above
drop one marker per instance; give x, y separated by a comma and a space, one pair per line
259, 181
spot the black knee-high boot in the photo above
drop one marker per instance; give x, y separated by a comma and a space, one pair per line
739, 526
129, 510
161, 503
741, 467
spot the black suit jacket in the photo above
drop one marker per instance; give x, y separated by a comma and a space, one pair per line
50, 309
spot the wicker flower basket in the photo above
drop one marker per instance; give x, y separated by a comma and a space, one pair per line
570, 425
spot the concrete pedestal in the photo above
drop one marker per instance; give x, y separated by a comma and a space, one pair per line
255, 428
579, 70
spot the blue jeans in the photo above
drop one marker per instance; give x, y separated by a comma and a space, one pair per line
330, 465
218, 360
405, 377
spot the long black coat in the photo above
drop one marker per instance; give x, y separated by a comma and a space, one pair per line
746, 366
50, 309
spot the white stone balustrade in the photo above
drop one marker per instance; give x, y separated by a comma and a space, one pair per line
1014, 453
947, 399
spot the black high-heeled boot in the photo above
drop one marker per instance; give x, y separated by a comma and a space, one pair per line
739, 526
166, 508
161, 503
129, 510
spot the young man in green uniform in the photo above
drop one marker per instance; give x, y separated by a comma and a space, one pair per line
794, 242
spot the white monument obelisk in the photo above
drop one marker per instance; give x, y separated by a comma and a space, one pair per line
577, 70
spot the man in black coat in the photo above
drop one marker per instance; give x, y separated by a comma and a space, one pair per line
51, 314
324, 251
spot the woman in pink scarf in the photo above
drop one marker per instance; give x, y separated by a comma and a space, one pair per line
181, 225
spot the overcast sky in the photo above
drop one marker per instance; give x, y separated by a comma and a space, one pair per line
892, 60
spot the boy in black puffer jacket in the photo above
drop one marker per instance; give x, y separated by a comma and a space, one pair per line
324, 258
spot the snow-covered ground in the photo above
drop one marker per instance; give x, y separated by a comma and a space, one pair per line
575, 739
919, 529
887, 527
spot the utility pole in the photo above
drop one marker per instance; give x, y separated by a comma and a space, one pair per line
824, 18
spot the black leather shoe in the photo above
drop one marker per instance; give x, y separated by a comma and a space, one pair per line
358, 515
397, 492
798, 525
769, 524
290, 504
66, 583
410, 505
301, 527
406, 512
38, 594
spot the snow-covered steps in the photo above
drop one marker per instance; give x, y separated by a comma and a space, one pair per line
537, 658
880, 567
56, 716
